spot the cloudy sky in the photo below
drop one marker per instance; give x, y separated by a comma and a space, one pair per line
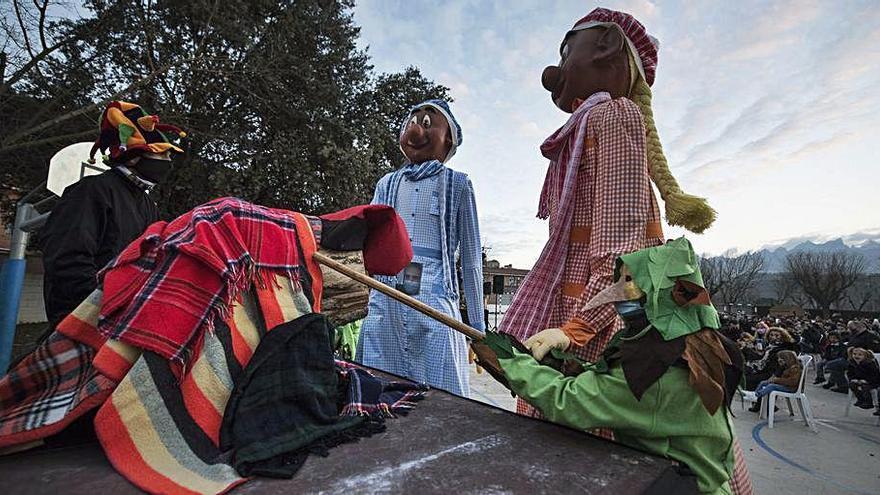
769, 109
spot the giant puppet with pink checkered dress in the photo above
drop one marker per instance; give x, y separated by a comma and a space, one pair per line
597, 191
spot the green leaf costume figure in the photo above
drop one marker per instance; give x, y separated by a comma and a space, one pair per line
664, 383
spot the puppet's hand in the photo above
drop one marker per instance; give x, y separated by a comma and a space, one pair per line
544, 341
486, 354
472, 360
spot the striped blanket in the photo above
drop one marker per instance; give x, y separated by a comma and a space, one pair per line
160, 432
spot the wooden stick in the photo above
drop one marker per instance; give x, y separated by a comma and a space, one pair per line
399, 296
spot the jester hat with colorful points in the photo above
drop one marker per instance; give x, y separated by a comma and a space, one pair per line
127, 131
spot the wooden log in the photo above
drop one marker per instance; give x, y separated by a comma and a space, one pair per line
344, 299
412, 302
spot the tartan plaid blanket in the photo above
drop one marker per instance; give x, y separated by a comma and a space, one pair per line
375, 397
55, 384
159, 431
178, 277
164, 435
286, 403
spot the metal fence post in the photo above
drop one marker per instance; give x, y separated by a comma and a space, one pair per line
27, 219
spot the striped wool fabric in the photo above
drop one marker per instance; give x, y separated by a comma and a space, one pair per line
162, 435
160, 432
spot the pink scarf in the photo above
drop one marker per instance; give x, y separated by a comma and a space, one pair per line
529, 313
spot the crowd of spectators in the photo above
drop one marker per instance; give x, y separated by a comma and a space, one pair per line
844, 350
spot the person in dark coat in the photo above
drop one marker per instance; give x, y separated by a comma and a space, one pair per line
863, 375
786, 378
778, 339
859, 337
832, 349
100, 215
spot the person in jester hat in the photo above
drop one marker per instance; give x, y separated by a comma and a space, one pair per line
99, 215
439, 209
669, 362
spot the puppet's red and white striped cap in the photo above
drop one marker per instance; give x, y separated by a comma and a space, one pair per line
643, 46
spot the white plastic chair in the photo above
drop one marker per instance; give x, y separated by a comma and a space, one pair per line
875, 395
745, 396
798, 395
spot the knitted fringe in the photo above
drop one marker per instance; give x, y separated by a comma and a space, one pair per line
243, 276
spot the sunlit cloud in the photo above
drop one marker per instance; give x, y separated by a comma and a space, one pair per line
761, 106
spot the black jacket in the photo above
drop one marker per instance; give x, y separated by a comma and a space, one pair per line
866, 370
866, 340
95, 219
768, 364
834, 351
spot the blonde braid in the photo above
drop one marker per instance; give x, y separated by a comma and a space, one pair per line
682, 209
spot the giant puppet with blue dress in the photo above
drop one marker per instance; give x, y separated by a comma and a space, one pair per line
438, 206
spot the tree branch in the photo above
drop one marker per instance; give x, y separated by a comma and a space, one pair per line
41, 24
24, 34
16, 138
49, 140
17, 75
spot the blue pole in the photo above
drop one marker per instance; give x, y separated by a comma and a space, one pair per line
11, 281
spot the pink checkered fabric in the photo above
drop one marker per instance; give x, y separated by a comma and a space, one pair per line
741, 481
529, 312
635, 31
610, 193
617, 203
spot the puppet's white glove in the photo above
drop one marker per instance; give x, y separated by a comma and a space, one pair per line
542, 342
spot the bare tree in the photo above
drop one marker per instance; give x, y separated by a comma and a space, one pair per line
741, 273
710, 268
26, 30
825, 277
863, 292
784, 286
731, 278
788, 290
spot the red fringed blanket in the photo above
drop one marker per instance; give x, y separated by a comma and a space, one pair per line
179, 276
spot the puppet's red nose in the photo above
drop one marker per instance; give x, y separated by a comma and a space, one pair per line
550, 78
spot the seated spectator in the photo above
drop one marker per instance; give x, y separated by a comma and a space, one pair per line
746, 344
860, 337
832, 348
730, 329
863, 375
760, 331
811, 338
758, 370
785, 379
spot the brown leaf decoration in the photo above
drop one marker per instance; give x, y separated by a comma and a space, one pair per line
705, 357
685, 293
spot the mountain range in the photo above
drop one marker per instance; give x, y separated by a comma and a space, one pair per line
774, 257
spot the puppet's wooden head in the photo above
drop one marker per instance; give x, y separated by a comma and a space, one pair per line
430, 132
591, 60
